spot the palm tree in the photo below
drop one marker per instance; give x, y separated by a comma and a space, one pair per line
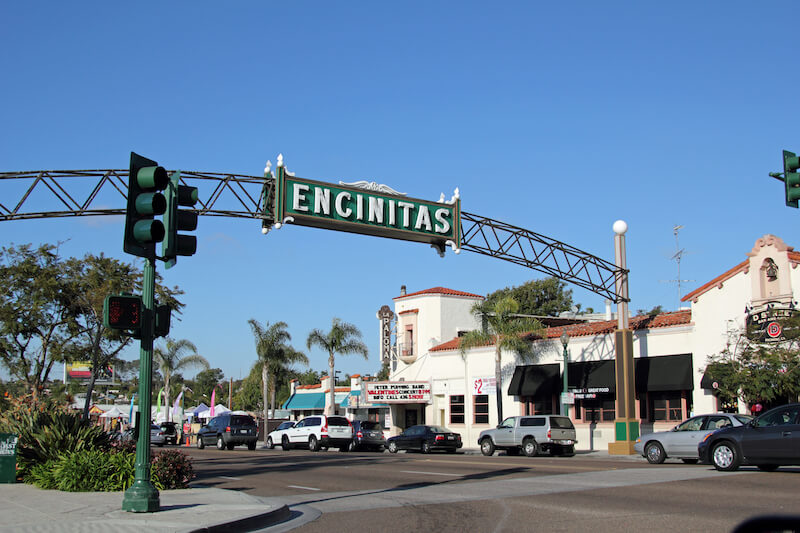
503, 328
173, 359
273, 353
343, 338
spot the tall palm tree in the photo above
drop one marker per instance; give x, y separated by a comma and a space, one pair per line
273, 353
343, 338
503, 328
174, 359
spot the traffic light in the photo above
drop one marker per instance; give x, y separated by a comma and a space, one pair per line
791, 179
176, 220
145, 183
123, 312
163, 314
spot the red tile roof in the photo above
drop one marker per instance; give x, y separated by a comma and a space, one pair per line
440, 290
664, 320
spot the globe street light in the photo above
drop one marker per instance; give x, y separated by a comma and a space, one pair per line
564, 404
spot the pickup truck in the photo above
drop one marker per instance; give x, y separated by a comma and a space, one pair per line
531, 435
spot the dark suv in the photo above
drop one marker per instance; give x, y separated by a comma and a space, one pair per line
228, 430
367, 435
170, 432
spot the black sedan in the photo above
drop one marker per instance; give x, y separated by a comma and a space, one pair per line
769, 441
425, 439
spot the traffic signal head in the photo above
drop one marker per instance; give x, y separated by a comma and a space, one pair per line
145, 201
176, 220
123, 312
791, 178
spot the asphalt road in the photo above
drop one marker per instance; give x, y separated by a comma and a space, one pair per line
468, 492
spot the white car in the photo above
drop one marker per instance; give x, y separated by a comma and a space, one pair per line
681, 441
319, 431
275, 436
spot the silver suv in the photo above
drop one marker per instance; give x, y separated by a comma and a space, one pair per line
530, 434
319, 432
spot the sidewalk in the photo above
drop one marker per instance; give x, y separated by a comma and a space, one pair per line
26, 508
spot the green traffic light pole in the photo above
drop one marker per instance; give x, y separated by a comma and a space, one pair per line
142, 496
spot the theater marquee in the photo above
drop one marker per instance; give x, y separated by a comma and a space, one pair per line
398, 392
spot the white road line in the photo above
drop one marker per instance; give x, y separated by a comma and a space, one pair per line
301, 487
229, 477
431, 473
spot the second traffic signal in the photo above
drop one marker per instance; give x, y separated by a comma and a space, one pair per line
176, 220
145, 201
791, 178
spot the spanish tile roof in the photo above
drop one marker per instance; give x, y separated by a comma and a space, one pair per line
664, 320
440, 290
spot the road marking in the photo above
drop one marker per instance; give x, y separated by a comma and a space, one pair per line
431, 473
231, 478
301, 487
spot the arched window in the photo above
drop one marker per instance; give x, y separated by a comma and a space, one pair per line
769, 278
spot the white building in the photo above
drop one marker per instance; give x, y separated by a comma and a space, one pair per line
670, 355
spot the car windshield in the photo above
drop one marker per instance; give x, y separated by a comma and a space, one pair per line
242, 420
370, 426
561, 422
286, 425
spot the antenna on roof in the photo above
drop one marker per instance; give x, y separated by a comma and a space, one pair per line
677, 256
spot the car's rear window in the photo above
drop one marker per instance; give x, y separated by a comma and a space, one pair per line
242, 420
370, 426
439, 429
561, 422
337, 421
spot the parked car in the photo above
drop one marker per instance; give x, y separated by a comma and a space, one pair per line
681, 441
157, 435
768, 442
276, 435
170, 430
367, 435
530, 434
228, 430
319, 432
425, 439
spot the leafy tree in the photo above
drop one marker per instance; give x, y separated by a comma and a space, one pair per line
37, 313
504, 329
383, 375
204, 383
309, 377
757, 371
176, 356
543, 297
344, 338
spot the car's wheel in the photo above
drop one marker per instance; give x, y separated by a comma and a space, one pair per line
352, 446
220, 443
251, 445
767, 468
530, 448
725, 457
270, 444
654, 453
313, 443
285, 443
392, 447
487, 447
200, 444
690, 461
426, 447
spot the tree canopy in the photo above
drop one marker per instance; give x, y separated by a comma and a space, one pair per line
543, 297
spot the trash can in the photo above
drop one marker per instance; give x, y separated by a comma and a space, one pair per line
8, 458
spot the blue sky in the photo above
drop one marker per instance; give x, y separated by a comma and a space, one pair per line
557, 117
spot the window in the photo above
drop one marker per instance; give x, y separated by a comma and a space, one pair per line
457, 409
693, 424
539, 406
532, 422
481, 408
665, 406
599, 410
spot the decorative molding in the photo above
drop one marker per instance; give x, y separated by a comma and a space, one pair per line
769, 240
373, 186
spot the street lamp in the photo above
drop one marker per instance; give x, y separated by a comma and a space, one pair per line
564, 404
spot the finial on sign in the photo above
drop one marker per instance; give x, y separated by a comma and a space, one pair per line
280, 160
441, 198
267, 168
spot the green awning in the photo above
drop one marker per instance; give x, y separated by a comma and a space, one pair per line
304, 401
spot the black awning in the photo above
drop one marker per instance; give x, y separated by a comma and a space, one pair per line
592, 375
535, 381
665, 373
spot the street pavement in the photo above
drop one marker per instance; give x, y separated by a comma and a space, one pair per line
25, 508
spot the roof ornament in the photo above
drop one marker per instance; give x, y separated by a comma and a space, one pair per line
372, 186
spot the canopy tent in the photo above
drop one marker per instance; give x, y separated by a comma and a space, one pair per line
194, 412
115, 412
218, 410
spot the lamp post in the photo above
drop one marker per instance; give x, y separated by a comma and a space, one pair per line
564, 404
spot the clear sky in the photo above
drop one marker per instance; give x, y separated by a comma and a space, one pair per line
559, 117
